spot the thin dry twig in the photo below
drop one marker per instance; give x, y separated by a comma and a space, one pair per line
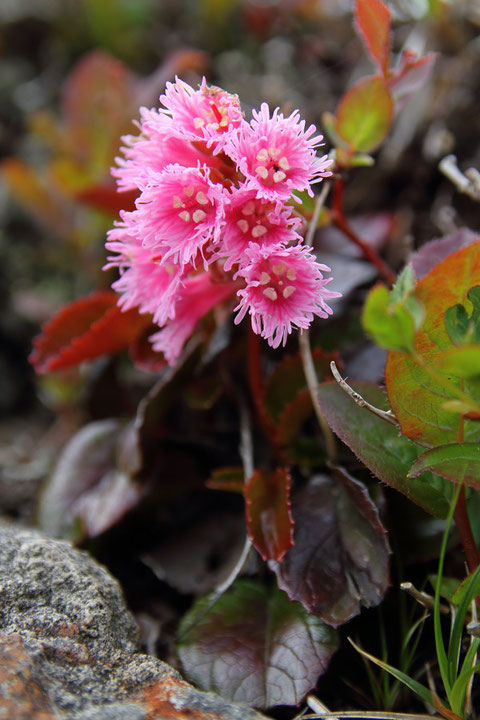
467, 183
386, 415
423, 598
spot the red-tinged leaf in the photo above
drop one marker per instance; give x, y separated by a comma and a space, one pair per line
339, 561
288, 379
373, 22
255, 646
457, 462
269, 520
416, 397
379, 445
86, 329
97, 108
107, 198
89, 490
230, 479
412, 74
364, 114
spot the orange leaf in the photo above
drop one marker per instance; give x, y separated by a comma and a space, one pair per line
86, 329
373, 21
417, 398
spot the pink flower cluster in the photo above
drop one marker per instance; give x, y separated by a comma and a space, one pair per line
214, 217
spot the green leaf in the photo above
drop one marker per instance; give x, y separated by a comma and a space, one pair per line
417, 687
390, 325
379, 445
456, 324
364, 114
255, 646
456, 462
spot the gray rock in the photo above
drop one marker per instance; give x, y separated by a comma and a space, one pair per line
68, 644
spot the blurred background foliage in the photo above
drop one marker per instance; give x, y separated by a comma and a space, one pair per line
72, 76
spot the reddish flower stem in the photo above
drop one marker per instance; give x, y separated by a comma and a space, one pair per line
258, 392
462, 522
341, 222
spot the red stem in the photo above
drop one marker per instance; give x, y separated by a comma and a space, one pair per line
258, 391
462, 522
341, 222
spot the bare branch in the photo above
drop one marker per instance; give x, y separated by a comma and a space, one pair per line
467, 183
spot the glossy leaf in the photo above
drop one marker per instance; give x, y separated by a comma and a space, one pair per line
379, 445
255, 646
373, 22
339, 561
456, 462
269, 520
86, 329
91, 486
416, 396
365, 113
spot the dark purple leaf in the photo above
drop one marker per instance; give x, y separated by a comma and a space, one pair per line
340, 558
255, 646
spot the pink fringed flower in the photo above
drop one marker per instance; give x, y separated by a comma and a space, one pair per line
284, 289
250, 219
277, 155
179, 212
208, 114
143, 281
198, 296
215, 188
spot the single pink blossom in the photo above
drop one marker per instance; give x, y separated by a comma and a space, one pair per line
284, 289
179, 212
144, 282
198, 296
250, 219
277, 154
208, 114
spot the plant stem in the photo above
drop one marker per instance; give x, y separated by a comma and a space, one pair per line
462, 521
342, 224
